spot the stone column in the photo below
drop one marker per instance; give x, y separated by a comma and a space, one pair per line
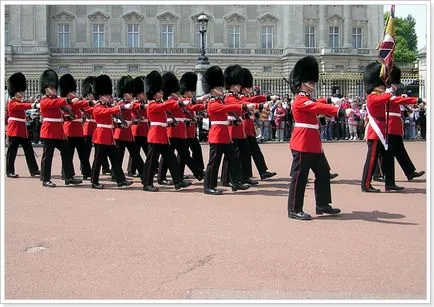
200, 70
323, 37
298, 27
347, 27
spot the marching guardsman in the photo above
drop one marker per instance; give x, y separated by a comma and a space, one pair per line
375, 131
395, 129
140, 124
52, 129
176, 131
187, 89
158, 141
73, 127
305, 142
249, 127
17, 131
103, 140
123, 135
219, 138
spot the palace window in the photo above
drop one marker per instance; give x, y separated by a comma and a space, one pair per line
167, 36
63, 35
234, 36
267, 37
98, 35
133, 35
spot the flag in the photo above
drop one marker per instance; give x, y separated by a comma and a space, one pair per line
387, 46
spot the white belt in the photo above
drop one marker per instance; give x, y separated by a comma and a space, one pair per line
128, 122
394, 114
17, 119
180, 119
77, 120
187, 119
144, 120
220, 122
91, 120
158, 124
231, 118
104, 126
303, 125
55, 120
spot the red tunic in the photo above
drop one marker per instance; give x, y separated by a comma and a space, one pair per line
125, 134
304, 110
235, 131
395, 125
74, 128
179, 130
158, 120
17, 118
375, 104
52, 125
89, 125
103, 133
140, 125
218, 112
249, 126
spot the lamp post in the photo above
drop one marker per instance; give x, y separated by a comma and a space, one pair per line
203, 21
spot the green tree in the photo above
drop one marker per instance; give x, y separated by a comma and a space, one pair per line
406, 39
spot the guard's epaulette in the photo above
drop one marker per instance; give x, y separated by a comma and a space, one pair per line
212, 99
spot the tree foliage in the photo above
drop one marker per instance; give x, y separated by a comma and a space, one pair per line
406, 39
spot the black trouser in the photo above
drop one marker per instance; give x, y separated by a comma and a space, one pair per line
302, 162
375, 147
242, 152
88, 146
134, 153
142, 143
101, 154
36, 126
397, 146
256, 153
196, 153
215, 156
151, 163
79, 143
47, 158
14, 142
180, 145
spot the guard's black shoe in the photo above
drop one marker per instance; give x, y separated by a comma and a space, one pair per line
106, 171
129, 174
299, 215
371, 189
200, 176
86, 177
251, 182
48, 184
13, 175
165, 182
212, 191
182, 184
73, 181
98, 186
125, 183
378, 178
414, 175
226, 184
393, 188
327, 210
150, 188
37, 173
240, 186
333, 175
267, 174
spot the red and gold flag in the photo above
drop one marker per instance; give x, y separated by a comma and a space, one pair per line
387, 46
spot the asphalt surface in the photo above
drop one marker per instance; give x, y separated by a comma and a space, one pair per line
80, 243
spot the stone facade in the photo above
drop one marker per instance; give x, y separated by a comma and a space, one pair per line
115, 39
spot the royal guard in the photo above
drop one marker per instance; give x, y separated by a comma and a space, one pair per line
219, 138
249, 127
52, 129
17, 131
305, 142
187, 90
232, 79
103, 140
73, 127
140, 124
176, 131
375, 132
123, 135
158, 140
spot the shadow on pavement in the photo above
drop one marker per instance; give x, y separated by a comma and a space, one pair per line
374, 216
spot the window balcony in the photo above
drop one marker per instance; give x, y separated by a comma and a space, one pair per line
268, 51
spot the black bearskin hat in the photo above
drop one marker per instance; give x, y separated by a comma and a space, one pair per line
371, 77
306, 69
125, 85
395, 75
247, 78
233, 75
153, 83
88, 86
138, 85
16, 83
170, 84
67, 84
188, 82
103, 86
49, 78
213, 77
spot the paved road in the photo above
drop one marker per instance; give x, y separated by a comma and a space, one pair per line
79, 243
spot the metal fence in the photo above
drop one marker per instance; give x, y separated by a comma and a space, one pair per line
346, 84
